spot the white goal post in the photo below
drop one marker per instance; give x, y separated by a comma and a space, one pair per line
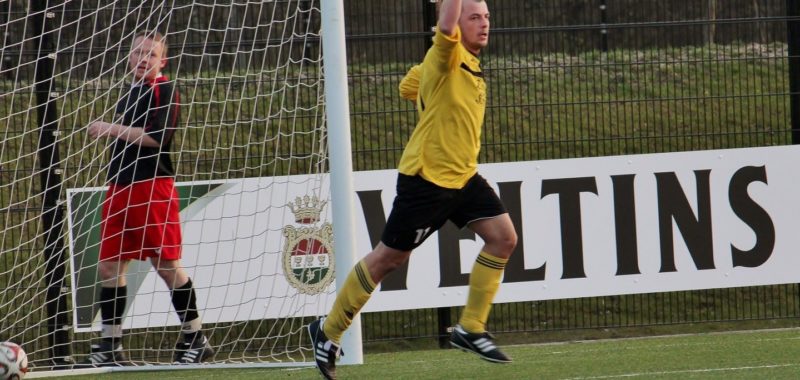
338, 107
262, 164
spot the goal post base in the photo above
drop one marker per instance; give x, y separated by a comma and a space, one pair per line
162, 367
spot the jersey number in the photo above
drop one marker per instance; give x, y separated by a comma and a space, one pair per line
421, 233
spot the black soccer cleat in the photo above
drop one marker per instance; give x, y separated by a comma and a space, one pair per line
104, 355
325, 351
479, 344
198, 351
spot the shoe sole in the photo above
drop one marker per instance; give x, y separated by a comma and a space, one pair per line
488, 359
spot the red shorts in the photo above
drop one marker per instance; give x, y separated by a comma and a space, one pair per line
141, 220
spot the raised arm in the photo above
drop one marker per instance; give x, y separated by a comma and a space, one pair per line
449, 13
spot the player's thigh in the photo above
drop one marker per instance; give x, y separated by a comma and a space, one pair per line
170, 271
154, 211
112, 225
166, 236
419, 209
150, 221
112, 268
497, 233
478, 201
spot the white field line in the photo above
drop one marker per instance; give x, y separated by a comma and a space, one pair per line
686, 371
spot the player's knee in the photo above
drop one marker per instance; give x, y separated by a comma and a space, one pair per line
384, 261
511, 241
508, 247
107, 272
504, 244
168, 275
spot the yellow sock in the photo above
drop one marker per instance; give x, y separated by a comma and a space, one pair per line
350, 298
483, 284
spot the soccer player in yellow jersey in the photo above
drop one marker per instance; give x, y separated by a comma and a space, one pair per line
438, 180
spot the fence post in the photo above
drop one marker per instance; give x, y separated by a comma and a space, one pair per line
793, 42
603, 30
442, 313
429, 20
5, 18
42, 20
306, 6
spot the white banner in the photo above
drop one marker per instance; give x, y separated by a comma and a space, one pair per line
627, 224
587, 227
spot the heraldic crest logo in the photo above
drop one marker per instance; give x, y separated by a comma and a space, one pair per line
308, 262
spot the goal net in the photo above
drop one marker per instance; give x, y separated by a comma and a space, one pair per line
250, 160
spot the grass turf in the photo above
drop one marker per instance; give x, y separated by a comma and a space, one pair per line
767, 354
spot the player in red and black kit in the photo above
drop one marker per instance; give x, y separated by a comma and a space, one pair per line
140, 214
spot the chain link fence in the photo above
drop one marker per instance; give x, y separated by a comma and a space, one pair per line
566, 79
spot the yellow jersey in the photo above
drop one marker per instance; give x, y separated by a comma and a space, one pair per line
451, 103
409, 85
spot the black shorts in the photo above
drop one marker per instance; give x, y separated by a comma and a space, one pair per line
421, 208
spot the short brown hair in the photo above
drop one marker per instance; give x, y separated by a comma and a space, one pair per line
155, 36
439, 5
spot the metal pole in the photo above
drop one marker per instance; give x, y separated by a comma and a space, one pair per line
42, 20
793, 42
305, 6
793, 53
5, 18
429, 20
337, 108
603, 30
443, 314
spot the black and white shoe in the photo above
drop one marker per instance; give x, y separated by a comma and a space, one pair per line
480, 344
325, 351
104, 355
195, 352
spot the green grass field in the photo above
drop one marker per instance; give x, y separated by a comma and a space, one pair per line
765, 354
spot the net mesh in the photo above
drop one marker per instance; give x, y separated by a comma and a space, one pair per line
249, 154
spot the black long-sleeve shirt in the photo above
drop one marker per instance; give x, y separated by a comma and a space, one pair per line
153, 106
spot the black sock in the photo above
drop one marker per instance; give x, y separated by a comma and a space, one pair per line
112, 304
112, 308
185, 302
